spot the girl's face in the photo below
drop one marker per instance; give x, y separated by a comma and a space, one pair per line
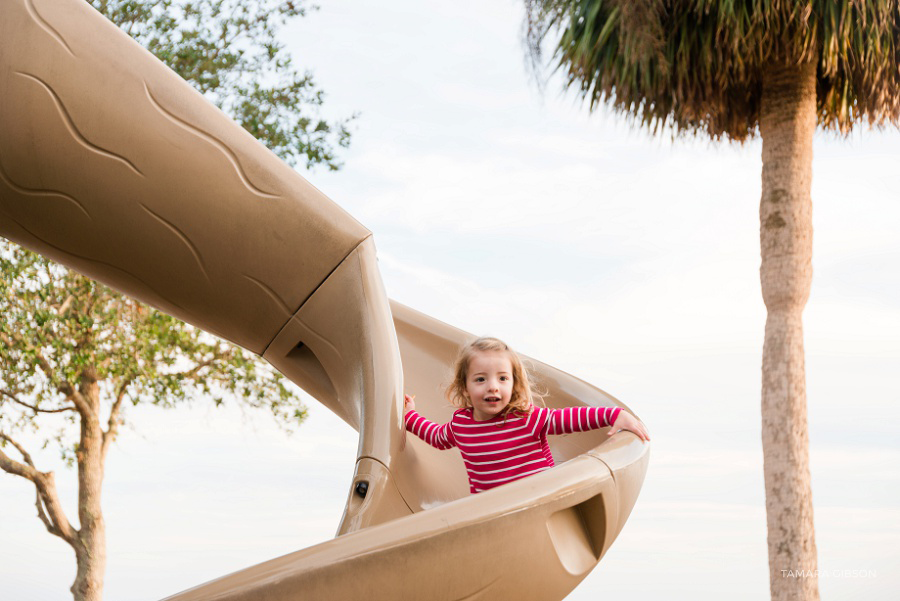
489, 383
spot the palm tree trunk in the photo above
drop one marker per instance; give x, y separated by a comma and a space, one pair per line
787, 123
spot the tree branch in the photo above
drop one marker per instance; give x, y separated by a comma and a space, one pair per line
22, 451
54, 518
57, 523
42, 515
88, 334
113, 424
65, 306
226, 43
17, 468
15, 399
218, 354
64, 387
38, 500
42, 362
81, 404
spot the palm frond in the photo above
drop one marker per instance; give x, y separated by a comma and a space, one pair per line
696, 65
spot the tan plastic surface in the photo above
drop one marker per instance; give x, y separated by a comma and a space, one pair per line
112, 165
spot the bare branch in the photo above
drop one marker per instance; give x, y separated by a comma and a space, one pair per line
54, 518
17, 468
11, 466
19, 448
39, 503
15, 399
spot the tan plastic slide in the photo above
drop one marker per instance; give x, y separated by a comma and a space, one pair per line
114, 166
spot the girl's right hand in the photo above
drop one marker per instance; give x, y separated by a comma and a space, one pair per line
409, 403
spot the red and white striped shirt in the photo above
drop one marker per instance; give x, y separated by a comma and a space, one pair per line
506, 448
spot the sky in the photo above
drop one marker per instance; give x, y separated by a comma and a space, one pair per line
628, 260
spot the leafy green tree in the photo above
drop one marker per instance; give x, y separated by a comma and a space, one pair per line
74, 354
229, 50
732, 70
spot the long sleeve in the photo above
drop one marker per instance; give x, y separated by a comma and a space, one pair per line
580, 419
438, 436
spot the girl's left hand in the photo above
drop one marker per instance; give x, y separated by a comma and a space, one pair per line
626, 421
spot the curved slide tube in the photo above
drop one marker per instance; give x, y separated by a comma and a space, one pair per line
113, 165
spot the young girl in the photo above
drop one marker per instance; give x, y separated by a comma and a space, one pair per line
501, 434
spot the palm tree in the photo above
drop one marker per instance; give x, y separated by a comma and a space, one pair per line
732, 69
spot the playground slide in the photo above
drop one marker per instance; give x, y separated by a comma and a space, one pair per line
114, 166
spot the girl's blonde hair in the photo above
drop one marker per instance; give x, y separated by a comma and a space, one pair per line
524, 392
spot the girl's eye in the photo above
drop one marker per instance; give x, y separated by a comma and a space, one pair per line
504, 378
479, 379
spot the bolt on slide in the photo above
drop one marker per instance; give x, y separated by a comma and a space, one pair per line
114, 166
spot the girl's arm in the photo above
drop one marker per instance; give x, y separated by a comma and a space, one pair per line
438, 436
581, 419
